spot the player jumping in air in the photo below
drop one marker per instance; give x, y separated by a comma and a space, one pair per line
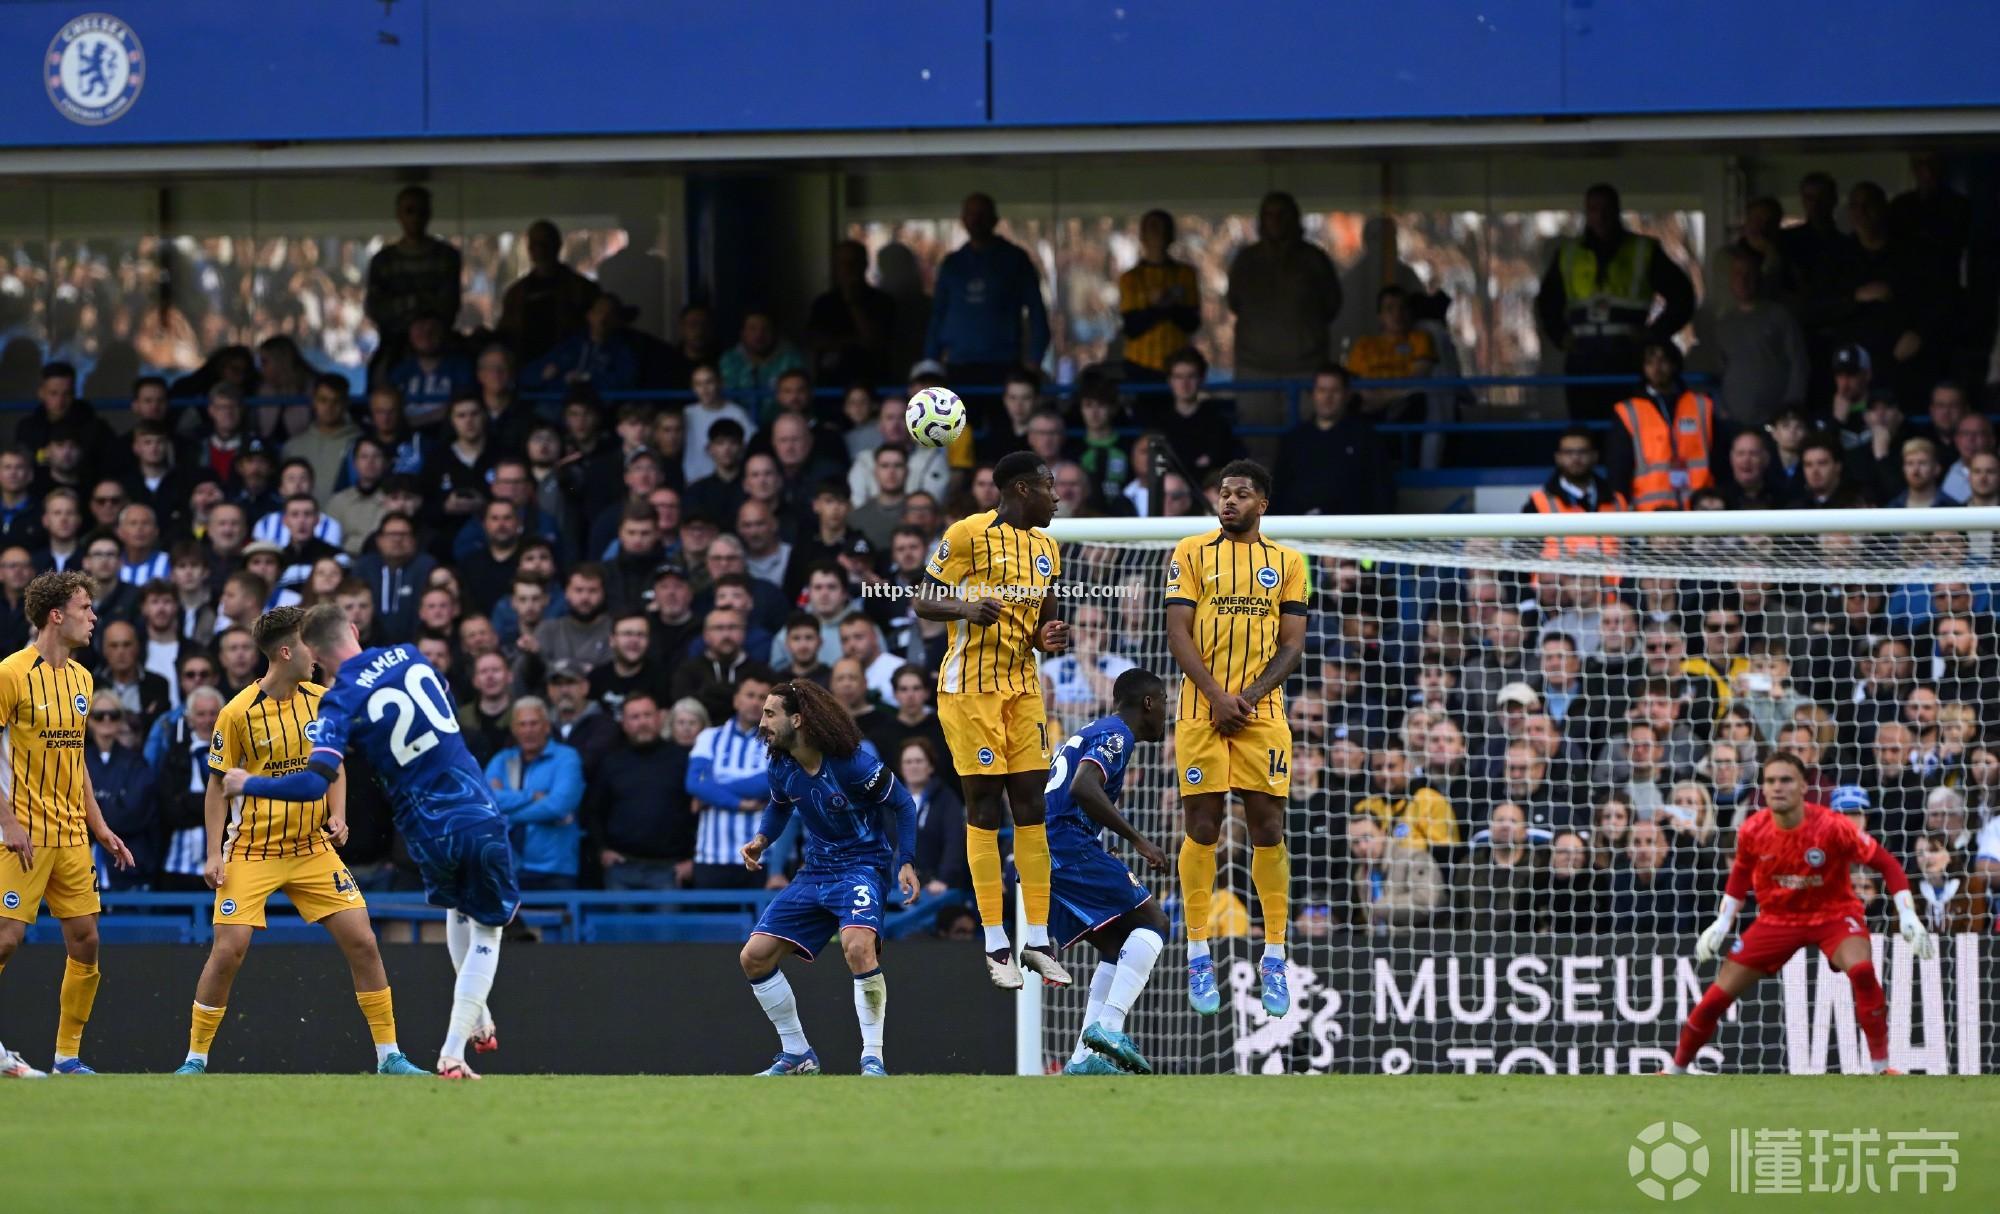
990, 579
1796, 857
1096, 896
860, 827
48, 811
266, 846
392, 705
1236, 625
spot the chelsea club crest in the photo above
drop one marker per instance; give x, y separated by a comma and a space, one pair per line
94, 69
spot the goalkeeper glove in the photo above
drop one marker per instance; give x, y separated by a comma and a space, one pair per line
1912, 928
1709, 946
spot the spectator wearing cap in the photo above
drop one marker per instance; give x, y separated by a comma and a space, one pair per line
582, 634
728, 779
576, 719
636, 814
720, 493
549, 302
601, 353
1923, 475
1754, 343
708, 407
675, 627
538, 786
712, 672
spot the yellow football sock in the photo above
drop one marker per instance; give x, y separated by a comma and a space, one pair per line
1271, 873
202, 1028
1031, 860
982, 856
79, 992
1197, 886
381, 1013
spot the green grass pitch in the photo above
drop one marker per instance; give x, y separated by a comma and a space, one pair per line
1438, 1144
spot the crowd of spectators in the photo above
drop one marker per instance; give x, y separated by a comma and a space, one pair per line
610, 585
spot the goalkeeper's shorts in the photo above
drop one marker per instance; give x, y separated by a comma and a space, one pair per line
1765, 946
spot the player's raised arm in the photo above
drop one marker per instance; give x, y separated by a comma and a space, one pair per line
1086, 790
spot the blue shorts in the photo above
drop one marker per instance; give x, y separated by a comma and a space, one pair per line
470, 871
1088, 888
813, 907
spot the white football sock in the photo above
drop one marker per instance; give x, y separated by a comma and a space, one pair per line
1100, 989
1197, 949
996, 939
1037, 936
871, 1008
475, 982
774, 995
1135, 965
382, 1052
457, 938
1274, 952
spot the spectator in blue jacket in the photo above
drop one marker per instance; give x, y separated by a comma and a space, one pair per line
124, 787
601, 354
538, 785
982, 290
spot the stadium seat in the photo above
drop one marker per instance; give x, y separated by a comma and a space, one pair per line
618, 927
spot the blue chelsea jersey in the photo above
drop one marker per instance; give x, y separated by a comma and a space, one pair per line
392, 706
1108, 743
848, 819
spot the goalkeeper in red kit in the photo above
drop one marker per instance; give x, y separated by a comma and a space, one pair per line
1795, 857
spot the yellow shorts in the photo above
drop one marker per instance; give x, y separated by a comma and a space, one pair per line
318, 885
66, 876
995, 733
1256, 758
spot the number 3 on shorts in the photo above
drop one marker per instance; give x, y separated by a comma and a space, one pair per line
862, 900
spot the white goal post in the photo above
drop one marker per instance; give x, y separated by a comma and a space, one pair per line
1521, 744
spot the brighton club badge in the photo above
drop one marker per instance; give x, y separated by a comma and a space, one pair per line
94, 69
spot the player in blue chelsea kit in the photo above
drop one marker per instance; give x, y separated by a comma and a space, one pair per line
392, 705
1095, 896
860, 826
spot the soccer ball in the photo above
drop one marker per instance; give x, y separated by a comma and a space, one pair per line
935, 417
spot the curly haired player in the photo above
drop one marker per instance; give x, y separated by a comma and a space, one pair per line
1796, 856
860, 827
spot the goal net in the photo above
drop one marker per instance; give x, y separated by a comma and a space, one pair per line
1520, 753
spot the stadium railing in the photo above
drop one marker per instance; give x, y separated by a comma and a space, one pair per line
559, 916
